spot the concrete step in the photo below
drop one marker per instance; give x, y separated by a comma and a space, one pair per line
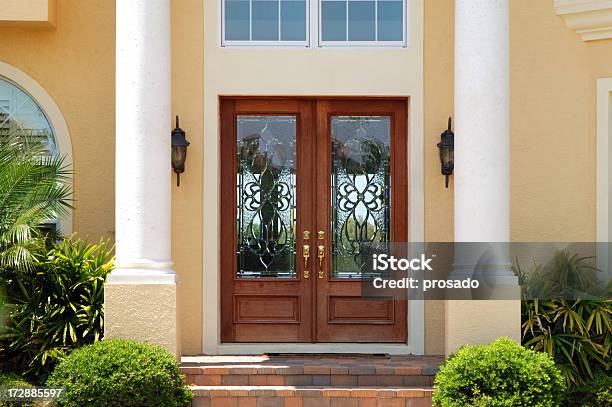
310, 396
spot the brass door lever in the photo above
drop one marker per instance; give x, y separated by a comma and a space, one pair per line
306, 255
321, 256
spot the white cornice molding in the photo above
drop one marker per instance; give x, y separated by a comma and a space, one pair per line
591, 19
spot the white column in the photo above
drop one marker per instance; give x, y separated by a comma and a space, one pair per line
141, 293
482, 121
482, 165
143, 117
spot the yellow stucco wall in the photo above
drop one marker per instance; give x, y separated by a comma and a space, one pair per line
552, 135
438, 90
188, 101
75, 64
553, 125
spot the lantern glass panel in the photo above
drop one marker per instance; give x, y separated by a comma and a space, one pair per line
179, 154
447, 157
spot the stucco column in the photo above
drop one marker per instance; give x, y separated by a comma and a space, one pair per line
140, 295
482, 164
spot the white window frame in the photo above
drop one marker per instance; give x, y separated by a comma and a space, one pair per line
314, 29
244, 43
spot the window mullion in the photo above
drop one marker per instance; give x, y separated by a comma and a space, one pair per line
375, 20
347, 21
250, 20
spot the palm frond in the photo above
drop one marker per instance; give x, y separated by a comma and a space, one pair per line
33, 189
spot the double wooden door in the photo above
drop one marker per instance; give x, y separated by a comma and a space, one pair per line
308, 185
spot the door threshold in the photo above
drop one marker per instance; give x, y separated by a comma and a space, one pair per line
344, 348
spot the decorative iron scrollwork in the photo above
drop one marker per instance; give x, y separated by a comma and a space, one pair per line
266, 196
360, 191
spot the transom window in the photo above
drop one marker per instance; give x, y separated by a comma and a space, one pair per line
322, 23
265, 21
362, 21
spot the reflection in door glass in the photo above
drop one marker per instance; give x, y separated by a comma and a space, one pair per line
266, 194
360, 192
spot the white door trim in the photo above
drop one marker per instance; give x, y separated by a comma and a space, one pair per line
604, 130
257, 348
604, 136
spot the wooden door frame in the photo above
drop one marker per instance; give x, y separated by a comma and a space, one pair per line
416, 333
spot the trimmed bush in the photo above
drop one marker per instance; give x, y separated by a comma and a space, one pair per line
12, 380
122, 373
500, 374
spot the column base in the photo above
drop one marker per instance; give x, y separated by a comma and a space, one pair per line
478, 322
145, 311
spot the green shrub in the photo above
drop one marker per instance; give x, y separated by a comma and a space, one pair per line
501, 374
596, 393
121, 373
56, 306
12, 380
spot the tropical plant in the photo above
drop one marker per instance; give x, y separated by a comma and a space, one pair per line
54, 307
577, 334
33, 188
121, 373
565, 276
596, 392
566, 312
500, 374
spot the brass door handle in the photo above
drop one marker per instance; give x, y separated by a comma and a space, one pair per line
321, 256
306, 255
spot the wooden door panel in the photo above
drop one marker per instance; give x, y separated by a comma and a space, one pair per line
358, 310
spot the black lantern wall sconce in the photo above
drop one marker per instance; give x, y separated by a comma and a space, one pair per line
179, 151
447, 151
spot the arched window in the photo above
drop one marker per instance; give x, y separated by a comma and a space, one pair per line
26, 108
20, 115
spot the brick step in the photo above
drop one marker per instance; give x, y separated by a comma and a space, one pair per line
310, 396
257, 379
322, 371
